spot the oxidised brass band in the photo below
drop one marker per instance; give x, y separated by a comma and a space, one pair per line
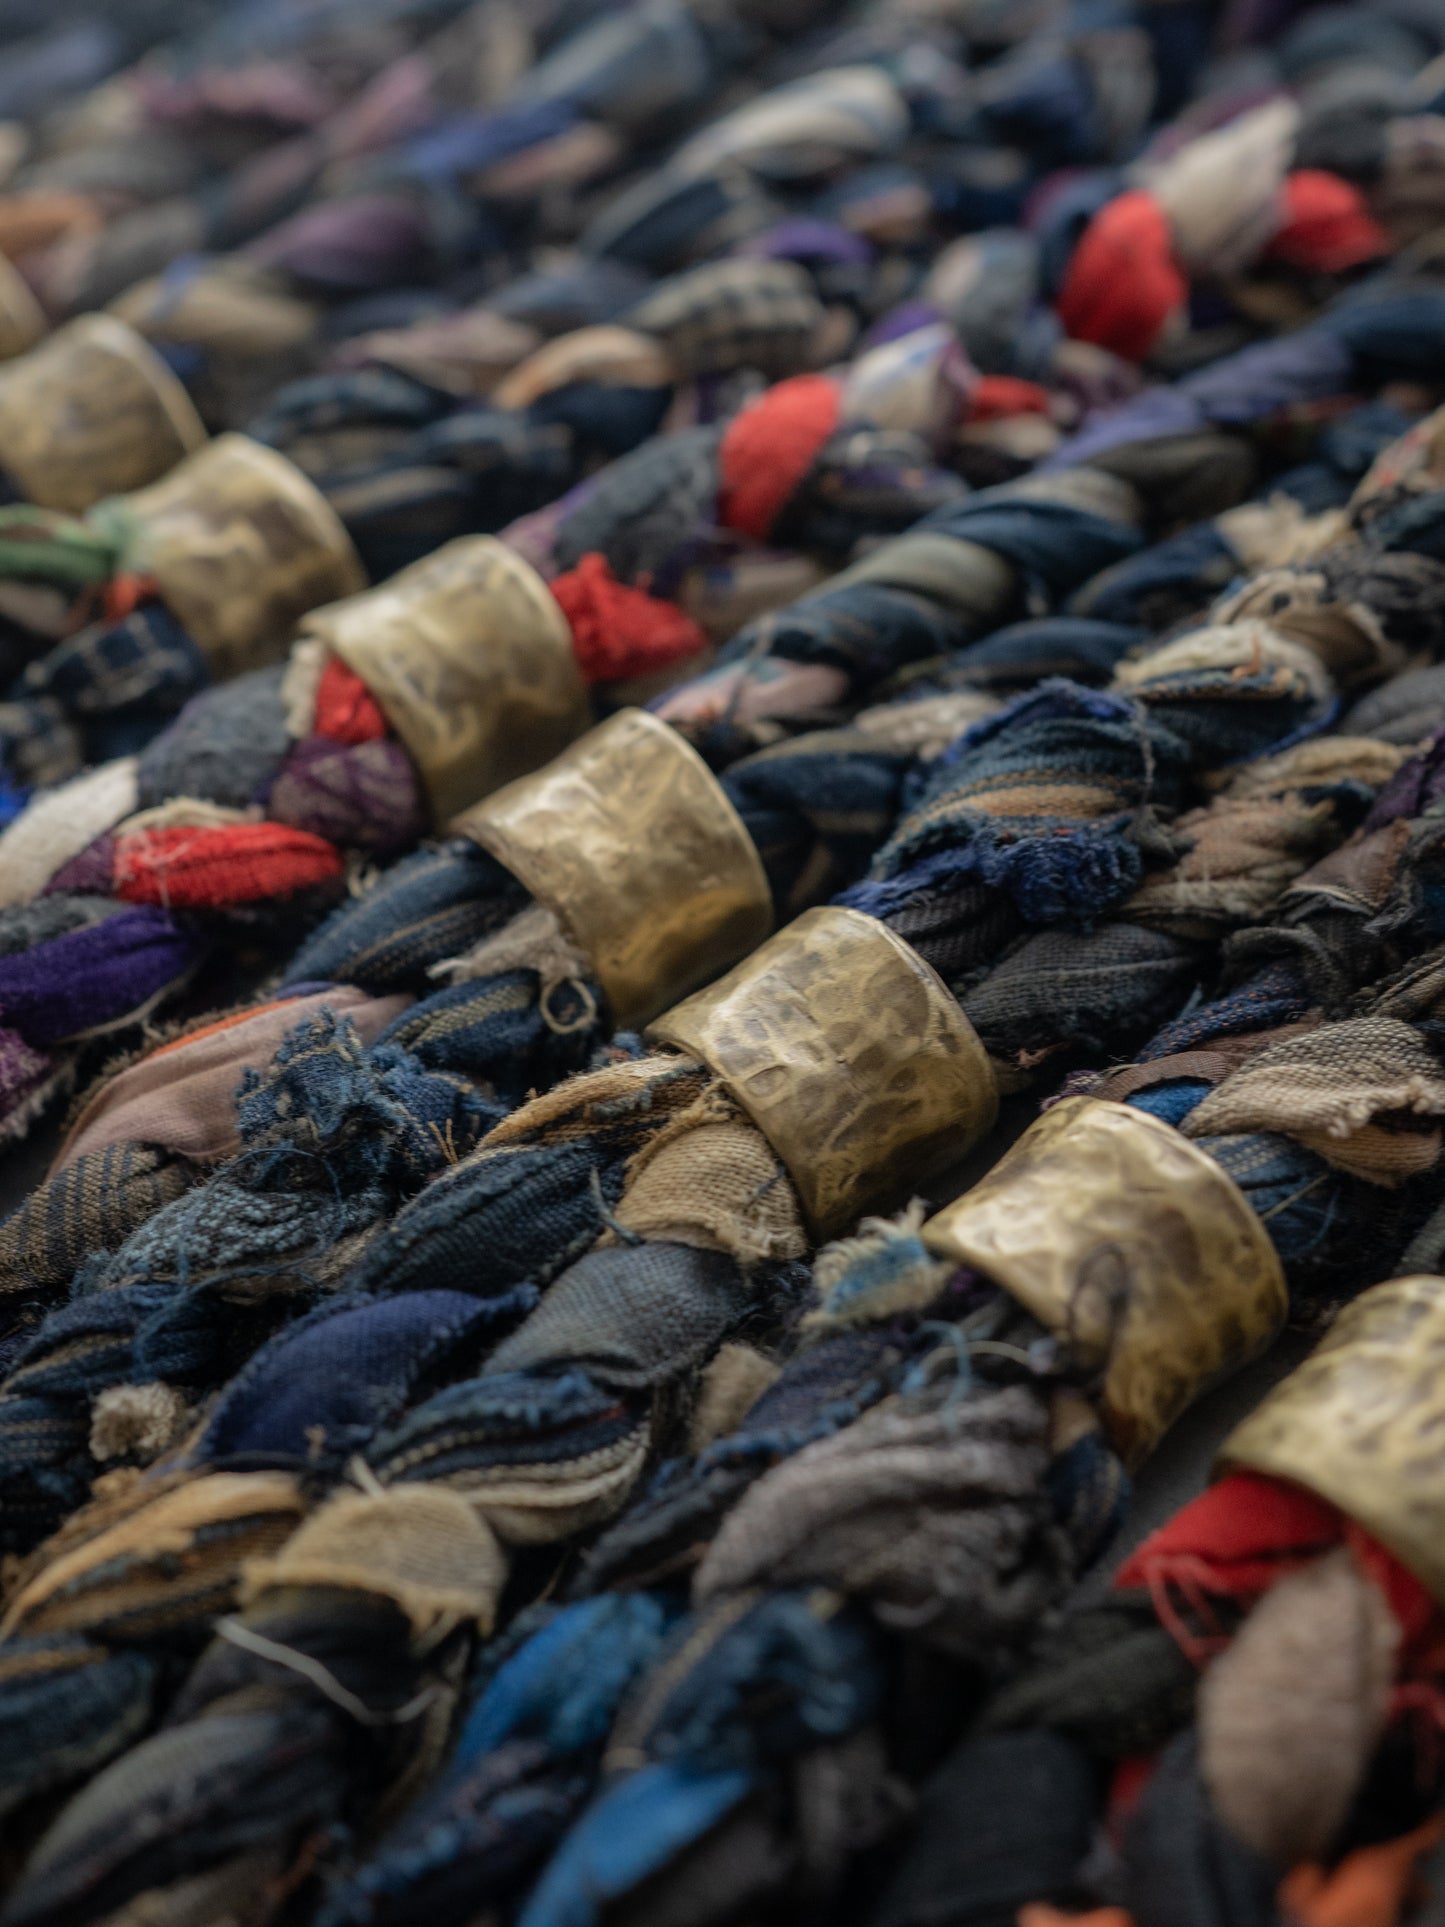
241, 545
850, 1056
1362, 1423
471, 659
92, 412
1131, 1244
628, 837
22, 320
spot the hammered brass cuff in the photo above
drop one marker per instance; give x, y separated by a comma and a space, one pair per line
1360, 1423
471, 660
628, 838
846, 1050
22, 320
241, 545
1132, 1246
92, 412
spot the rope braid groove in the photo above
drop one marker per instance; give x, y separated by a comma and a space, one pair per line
617, 626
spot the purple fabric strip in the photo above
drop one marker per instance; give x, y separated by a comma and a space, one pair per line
94, 975
1414, 788
1309, 366
22, 1071
805, 239
1157, 412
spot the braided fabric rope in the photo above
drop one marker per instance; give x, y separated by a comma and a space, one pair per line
441, 1475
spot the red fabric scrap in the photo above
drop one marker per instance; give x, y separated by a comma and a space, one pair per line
996, 397
346, 710
619, 631
1123, 283
770, 447
1328, 227
208, 869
